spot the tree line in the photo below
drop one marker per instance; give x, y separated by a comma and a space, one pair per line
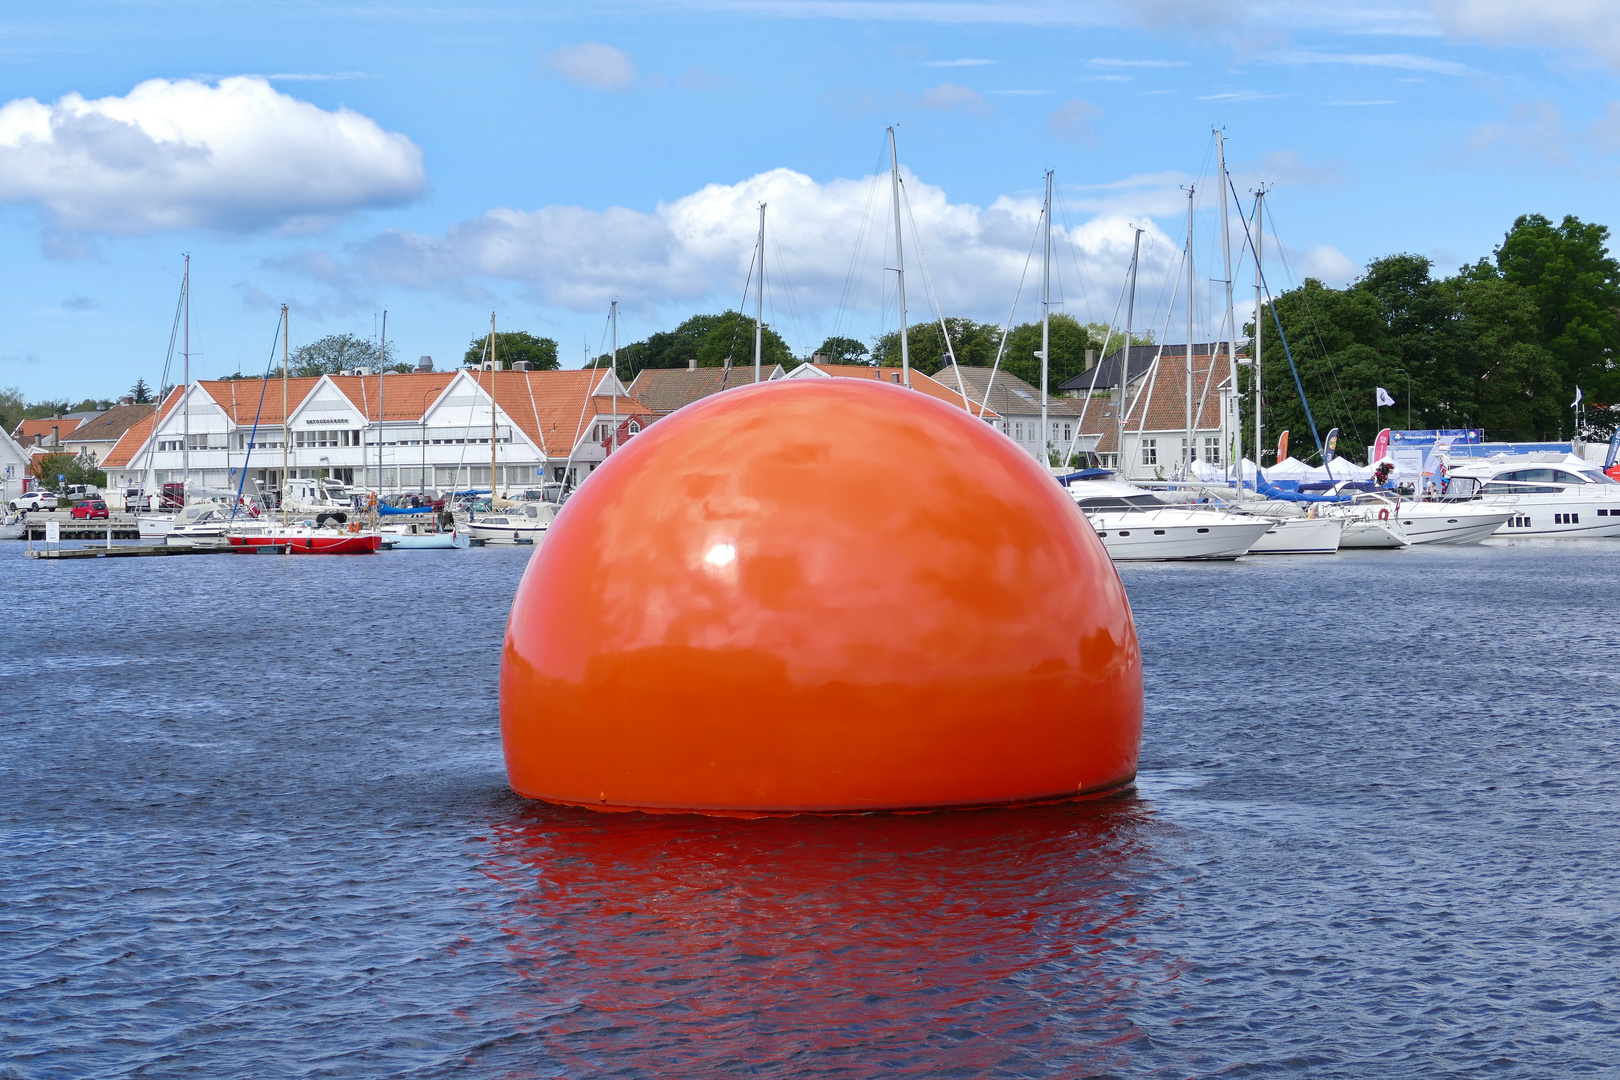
1500, 345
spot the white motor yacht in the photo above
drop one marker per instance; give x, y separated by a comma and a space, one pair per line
525, 524
1300, 536
1363, 529
1134, 525
1454, 523
1540, 499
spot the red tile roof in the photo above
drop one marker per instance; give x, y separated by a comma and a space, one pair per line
945, 391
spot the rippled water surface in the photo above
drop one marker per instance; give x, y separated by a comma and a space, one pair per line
254, 823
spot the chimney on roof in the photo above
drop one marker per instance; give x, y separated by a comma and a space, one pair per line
1091, 359
520, 365
56, 435
691, 364
127, 399
895, 376
424, 365
820, 358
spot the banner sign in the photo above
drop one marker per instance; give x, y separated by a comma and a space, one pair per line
1454, 436
1380, 447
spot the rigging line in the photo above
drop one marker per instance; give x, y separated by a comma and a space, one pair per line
849, 296
254, 434
742, 305
1209, 377
961, 386
163, 387
1088, 288
1314, 327
1335, 393
1001, 349
1153, 373
535, 409
788, 291
590, 388
1125, 363
1260, 271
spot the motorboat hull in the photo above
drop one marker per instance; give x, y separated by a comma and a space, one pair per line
1371, 535
154, 526
1159, 536
506, 534
312, 542
1454, 526
1558, 519
1300, 536
444, 541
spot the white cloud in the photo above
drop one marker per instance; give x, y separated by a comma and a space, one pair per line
1324, 262
949, 97
1071, 121
1396, 61
592, 65
967, 62
1106, 62
1583, 25
184, 154
699, 248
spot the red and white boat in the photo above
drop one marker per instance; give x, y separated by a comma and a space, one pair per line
307, 540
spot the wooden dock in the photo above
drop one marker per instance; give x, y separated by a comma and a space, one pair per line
144, 551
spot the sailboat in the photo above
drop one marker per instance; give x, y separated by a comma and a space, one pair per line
324, 535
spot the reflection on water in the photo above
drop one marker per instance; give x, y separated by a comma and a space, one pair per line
253, 823
988, 941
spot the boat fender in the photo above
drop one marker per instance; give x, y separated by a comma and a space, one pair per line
1383, 515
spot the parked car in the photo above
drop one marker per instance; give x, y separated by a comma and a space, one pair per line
35, 500
90, 508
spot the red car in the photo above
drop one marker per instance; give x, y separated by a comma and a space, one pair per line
90, 508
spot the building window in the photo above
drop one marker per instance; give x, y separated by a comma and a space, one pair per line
1018, 430
1068, 432
1150, 451
1212, 450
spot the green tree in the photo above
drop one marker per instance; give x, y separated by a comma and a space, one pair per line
47, 467
844, 350
1575, 285
974, 344
13, 408
710, 339
514, 345
336, 353
141, 392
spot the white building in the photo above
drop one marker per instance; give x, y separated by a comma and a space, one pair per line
423, 431
1154, 405
13, 467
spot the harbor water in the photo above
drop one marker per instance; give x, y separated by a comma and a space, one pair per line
254, 823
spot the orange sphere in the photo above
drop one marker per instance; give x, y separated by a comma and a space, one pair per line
819, 595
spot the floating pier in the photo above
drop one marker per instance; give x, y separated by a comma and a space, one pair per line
142, 551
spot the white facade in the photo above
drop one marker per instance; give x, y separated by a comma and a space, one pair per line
445, 447
13, 468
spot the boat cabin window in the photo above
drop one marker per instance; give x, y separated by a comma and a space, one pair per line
1118, 502
1592, 476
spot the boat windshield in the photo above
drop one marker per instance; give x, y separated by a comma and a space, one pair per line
1594, 477
1121, 502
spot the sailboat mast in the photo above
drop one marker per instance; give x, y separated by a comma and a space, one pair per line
1046, 315
382, 372
286, 427
1125, 361
899, 260
613, 436
1259, 301
1189, 453
759, 303
185, 399
1231, 333
494, 441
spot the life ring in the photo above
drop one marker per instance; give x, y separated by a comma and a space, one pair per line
1383, 515
354, 526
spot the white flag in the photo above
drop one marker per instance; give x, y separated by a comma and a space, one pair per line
1576, 403
1384, 398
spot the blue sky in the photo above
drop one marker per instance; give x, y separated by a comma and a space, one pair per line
444, 161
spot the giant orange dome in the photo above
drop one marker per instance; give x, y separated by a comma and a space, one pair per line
819, 595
